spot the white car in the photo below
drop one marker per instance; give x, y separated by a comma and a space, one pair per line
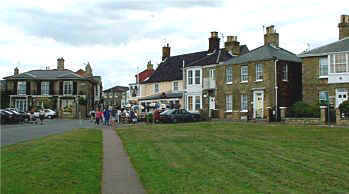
48, 114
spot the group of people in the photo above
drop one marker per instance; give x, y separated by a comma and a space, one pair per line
112, 117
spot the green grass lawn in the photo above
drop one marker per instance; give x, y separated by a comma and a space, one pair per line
229, 157
66, 163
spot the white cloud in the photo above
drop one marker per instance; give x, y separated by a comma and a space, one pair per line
116, 37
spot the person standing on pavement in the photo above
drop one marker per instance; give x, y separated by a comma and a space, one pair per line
98, 116
106, 115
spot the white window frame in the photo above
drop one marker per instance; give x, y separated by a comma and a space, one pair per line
190, 77
333, 63
285, 72
259, 72
229, 103
229, 75
45, 88
197, 77
244, 103
323, 66
175, 86
197, 102
244, 73
212, 74
22, 88
190, 106
156, 88
69, 90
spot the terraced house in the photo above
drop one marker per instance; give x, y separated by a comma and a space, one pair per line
251, 85
326, 69
59, 89
200, 75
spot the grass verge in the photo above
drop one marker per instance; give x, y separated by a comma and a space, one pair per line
228, 157
66, 163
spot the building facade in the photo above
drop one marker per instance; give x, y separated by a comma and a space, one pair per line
113, 97
326, 69
59, 89
251, 85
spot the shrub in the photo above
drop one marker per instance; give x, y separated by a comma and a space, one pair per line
302, 109
149, 117
344, 107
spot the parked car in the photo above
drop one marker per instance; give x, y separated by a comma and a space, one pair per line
22, 116
16, 116
50, 114
178, 115
8, 117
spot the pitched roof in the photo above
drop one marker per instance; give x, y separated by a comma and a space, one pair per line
46, 75
145, 74
265, 52
211, 58
338, 46
117, 89
171, 68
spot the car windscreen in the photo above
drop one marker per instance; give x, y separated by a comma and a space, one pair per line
168, 112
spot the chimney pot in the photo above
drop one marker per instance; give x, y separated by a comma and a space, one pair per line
166, 51
214, 34
213, 42
232, 45
60, 64
271, 37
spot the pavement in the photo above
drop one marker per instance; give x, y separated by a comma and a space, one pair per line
15, 133
119, 177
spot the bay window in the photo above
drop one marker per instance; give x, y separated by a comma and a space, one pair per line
190, 103
190, 77
197, 103
197, 77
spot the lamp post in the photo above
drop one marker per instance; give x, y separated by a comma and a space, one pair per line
328, 109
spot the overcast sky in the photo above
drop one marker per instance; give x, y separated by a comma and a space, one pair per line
119, 36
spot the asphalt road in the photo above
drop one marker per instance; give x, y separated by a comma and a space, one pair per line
11, 134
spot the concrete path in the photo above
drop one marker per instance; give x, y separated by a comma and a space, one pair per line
119, 177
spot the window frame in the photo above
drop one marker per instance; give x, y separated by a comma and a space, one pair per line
259, 72
333, 63
244, 73
244, 103
229, 74
197, 77
323, 67
190, 103
45, 88
22, 91
174, 86
156, 88
197, 105
229, 103
285, 72
70, 88
323, 91
190, 77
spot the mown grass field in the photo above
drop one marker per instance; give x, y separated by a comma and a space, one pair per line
228, 157
66, 163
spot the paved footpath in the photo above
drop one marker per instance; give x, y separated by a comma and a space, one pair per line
119, 177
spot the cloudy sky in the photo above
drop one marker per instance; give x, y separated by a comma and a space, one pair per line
119, 36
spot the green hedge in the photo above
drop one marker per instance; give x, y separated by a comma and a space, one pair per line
344, 107
301, 109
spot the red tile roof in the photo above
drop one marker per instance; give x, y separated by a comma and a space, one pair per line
144, 75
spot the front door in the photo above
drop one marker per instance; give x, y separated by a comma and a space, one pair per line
212, 103
341, 96
258, 97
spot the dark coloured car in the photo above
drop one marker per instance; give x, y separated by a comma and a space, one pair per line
8, 117
178, 115
18, 117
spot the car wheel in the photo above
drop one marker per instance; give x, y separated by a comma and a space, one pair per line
49, 116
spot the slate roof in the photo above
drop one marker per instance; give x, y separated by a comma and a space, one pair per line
171, 68
117, 89
46, 75
169, 95
212, 58
265, 52
338, 46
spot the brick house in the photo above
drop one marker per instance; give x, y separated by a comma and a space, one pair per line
266, 77
58, 89
200, 75
113, 96
326, 69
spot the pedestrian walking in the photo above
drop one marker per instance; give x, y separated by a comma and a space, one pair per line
106, 115
98, 116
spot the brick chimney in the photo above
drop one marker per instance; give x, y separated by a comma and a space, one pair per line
232, 45
271, 37
213, 42
16, 71
344, 27
166, 51
149, 66
60, 64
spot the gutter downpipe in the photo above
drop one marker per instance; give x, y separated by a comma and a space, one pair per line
184, 86
276, 90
